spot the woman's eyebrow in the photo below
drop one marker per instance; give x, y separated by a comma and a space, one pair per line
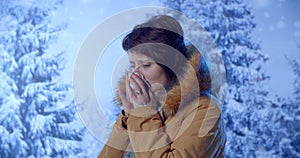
141, 61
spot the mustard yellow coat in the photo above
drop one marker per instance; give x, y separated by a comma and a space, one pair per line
188, 126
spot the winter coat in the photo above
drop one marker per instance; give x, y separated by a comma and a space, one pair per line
192, 130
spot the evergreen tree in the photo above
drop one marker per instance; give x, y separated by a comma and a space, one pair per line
247, 108
37, 114
295, 63
291, 115
284, 120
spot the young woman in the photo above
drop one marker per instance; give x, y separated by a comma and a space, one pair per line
169, 110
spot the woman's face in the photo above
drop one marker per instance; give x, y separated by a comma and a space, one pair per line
150, 70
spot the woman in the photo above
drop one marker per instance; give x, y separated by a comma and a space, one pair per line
169, 110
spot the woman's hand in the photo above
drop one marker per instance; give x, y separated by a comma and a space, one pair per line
137, 93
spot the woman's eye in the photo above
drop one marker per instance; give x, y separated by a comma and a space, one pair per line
146, 64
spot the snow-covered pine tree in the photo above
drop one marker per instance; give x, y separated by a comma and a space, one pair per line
246, 108
290, 142
37, 116
295, 63
285, 118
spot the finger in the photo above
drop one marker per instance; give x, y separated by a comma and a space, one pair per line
130, 91
124, 100
127, 86
141, 84
142, 77
128, 76
135, 84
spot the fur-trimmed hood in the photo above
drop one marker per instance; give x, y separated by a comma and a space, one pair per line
181, 93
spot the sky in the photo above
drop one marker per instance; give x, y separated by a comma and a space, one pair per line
277, 31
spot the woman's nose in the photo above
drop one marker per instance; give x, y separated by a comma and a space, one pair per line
138, 72
136, 69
